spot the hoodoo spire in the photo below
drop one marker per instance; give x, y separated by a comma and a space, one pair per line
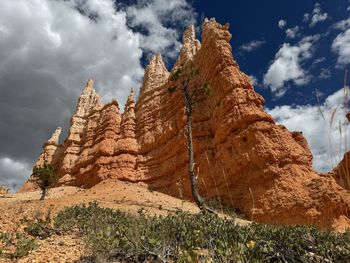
88, 100
156, 74
55, 136
128, 122
190, 46
256, 165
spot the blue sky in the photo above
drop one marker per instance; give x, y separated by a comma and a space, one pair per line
48, 50
257, 22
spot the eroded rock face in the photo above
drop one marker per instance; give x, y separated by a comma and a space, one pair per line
88, 102
52, 153
341, 173
190, 46
242, 156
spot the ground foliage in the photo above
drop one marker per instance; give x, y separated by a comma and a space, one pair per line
15, 245
182, 237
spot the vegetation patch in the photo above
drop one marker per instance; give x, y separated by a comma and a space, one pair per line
182, 237
115, 236
16, 245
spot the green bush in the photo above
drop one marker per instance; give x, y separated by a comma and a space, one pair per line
20, 243
23, 246
39, 228
46, 178
183, 237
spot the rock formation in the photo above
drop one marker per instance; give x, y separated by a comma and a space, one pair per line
190, 46
341, 173
52, 153
242, 156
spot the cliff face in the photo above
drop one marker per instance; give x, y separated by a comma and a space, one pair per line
242, 156
341, 173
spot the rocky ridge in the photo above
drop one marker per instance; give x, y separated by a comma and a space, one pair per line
242, 156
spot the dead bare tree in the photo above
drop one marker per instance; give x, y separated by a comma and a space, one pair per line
182, 79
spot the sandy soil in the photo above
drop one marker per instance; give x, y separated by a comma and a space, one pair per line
125, 196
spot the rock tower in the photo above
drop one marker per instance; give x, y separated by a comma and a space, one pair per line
242, 156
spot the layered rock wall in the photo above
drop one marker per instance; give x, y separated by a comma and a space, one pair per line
242, 156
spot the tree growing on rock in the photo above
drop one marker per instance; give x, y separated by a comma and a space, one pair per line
45, 178
4, 189
183, 80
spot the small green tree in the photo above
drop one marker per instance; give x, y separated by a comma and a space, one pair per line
4, 189
46, 178
182, 79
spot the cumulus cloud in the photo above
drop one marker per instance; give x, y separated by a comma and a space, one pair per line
292, 32
318, 60
341, 44
325, 140
253, 80
251, 46
343, 24
48, 50
316, 16
287, 66
325, 73
282, 23
13, 172
154, 17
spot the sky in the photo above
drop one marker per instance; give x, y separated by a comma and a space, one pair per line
296, 53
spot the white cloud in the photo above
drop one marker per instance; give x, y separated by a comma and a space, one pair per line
253, 80
292, 32
306, 18
341, 44
55, 38
251, 46
159, 37
286, 66
343, 24
282, 23
326, 143
319, 60
317, 16
13, 172
325, 73
48, 50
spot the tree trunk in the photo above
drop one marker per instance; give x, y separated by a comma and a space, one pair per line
194, 188
43, 193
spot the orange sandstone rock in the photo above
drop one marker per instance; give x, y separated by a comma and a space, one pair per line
242, 156
52, 152
341, 173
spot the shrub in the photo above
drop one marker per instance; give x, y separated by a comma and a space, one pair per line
23, 246
183, 237
39, 228
16, 245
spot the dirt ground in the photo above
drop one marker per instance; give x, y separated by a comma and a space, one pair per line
124, 196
